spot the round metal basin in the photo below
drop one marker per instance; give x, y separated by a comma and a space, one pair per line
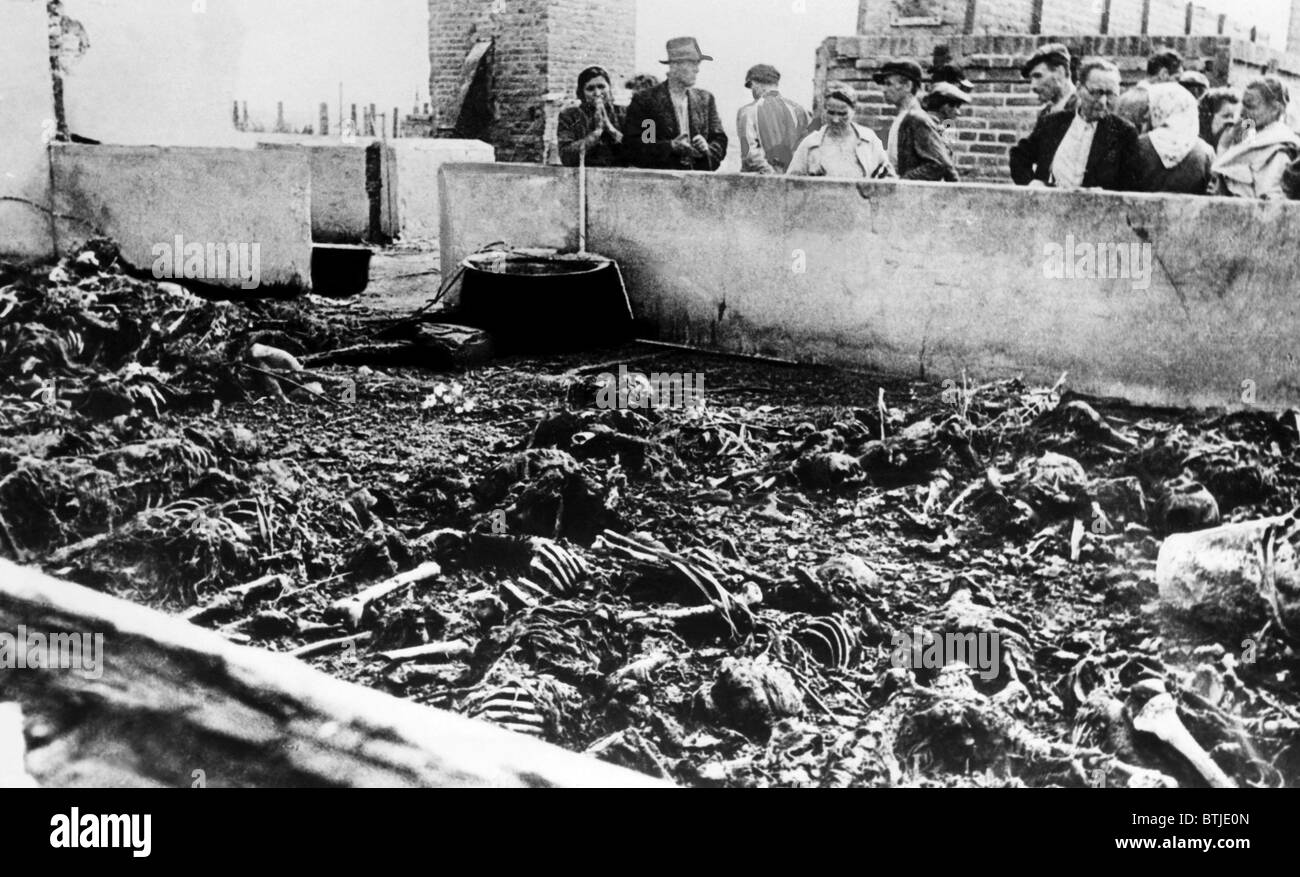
545, 302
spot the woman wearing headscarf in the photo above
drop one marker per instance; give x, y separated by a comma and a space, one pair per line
1172, 157
841, 148
1255, 153
595, 126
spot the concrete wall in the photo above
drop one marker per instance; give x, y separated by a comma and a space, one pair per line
418, 162
340, 200
340, 203
26, 123
146, 196
1004, 108
929, 276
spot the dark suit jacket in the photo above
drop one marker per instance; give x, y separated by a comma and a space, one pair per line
1112, 163
656, 105
922, 152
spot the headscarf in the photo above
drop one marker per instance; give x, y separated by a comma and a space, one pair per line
842, 94
589, 74
1175, 122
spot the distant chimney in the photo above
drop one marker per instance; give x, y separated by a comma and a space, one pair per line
1293, 32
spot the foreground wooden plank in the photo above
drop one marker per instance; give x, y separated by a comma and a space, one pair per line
172, 700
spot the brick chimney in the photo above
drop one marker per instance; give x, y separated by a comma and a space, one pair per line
540, 47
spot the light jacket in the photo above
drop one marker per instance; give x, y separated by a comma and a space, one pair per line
870, 152
769, 130
1254, 168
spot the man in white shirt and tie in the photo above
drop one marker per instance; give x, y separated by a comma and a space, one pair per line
1090, 148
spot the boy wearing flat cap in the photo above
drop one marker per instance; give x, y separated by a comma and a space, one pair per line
916, 146
675, 126
900, 81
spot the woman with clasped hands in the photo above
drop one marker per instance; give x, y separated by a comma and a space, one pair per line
596, 126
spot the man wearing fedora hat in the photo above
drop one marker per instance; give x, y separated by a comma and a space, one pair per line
675, 126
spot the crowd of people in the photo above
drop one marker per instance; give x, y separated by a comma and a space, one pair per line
1171, 132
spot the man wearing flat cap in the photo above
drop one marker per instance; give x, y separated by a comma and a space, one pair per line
1048, 72
770, 128
675, 126
901, 80
915, 144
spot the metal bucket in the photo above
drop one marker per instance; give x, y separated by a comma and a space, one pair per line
537, 301
339, 270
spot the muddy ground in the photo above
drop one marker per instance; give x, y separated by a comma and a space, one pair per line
713, 594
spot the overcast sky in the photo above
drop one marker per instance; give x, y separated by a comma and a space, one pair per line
298, 51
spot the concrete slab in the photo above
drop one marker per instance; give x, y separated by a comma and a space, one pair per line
156, 201
930, 278
340, 199
27, 111
418, 161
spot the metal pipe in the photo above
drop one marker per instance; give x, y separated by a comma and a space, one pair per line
582, 198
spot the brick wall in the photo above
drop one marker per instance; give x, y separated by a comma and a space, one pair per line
1079, 17
583, 33
541, 45
1004, 108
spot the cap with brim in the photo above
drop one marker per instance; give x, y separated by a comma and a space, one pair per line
951, 92
909, 69
1056, 54
765, 74
945, 92
685, 49
1194, 77
953, 74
